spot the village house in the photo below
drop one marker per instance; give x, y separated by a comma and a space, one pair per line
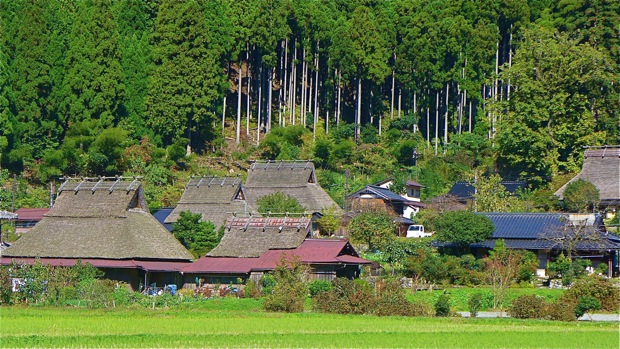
27, 218
104, 222
601, 167
549, 234
214, 198
252, 246
294, 178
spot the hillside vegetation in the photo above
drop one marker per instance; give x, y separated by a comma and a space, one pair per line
166, 89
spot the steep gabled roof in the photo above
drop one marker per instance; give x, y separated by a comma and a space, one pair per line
101, 220
294, 178
215, 198
383, 194
253, 236
601, 167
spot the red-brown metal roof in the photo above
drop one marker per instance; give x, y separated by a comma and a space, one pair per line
161, 266
311, 251
221, 265
31, 214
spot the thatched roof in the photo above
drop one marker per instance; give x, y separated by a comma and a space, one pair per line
215, 198
601, 167
294, 178
99, 221
253, 236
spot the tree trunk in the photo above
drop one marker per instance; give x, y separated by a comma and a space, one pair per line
302, 107
358, 121
400, 95
223, 113
249, 99
445, 124
260, 104
293, 89
436, 120
284, 83
392, 99
239, 84
316, 91
272, 75
338, 108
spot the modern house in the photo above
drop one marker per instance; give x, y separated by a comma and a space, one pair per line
373, 197
294, 178
601, 167
549, 234
215, 198
104, 222
252, 246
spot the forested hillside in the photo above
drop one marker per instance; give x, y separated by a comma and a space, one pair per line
476, 87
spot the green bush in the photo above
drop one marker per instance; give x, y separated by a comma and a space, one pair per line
561, 309
317, 286
346, 297
585, 304
598, 288
267, 283
391, 299
252, 290
442, 306
290, 290
528, 307
474, 303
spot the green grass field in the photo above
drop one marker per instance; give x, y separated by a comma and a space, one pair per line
242, 323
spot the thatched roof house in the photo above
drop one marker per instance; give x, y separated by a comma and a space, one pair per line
215, 198
254, 245
601, 167
294, 178
253, 236
103, 220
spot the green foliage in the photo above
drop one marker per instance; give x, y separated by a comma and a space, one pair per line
442, 305
199, 237
561, 310
474, 304
445, 269
528, 307
267, 283
568, 270
317, 286
596, 287
290, 290
581, 196
586, 304
278, 204
345, 297
329, 223
463, 228
372, 228
492, 196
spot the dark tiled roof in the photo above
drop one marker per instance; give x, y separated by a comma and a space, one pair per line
161, 216
411, 183
525, 225
378, 192
465, 190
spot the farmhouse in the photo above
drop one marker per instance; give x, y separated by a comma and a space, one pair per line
252, 246
27, 218
215, 198
104, 222
294, 178
601, 167
549, 234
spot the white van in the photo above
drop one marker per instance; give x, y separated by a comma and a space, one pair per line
417, 231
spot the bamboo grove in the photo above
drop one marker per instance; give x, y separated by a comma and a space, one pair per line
537, 79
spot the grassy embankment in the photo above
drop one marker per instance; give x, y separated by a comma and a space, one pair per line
242, 323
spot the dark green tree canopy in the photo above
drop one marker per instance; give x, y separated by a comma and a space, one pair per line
463, 228
199, 237
581, 196
374, 228
278, 203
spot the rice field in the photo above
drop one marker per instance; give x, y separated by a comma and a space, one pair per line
232, 323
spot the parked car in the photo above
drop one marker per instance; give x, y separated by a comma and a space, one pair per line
417, 231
